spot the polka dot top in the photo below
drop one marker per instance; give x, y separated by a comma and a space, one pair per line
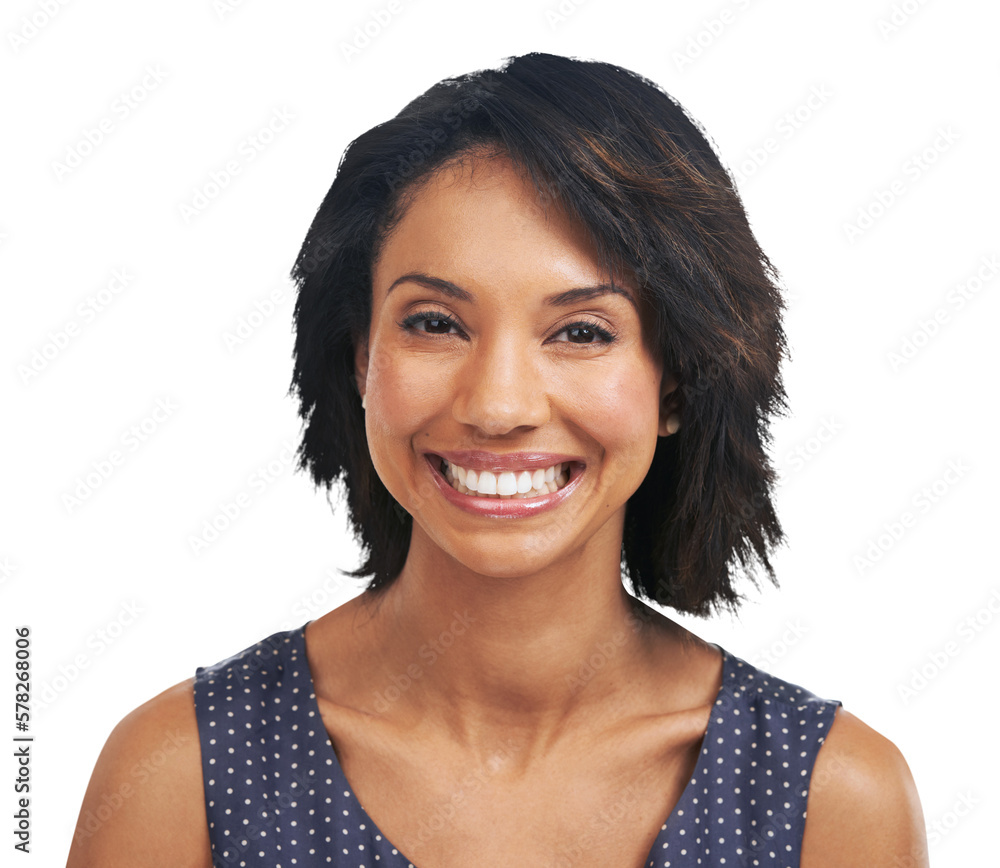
276, 795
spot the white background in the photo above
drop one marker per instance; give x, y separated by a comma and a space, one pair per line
121, 606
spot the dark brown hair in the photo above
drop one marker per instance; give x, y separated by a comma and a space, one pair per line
622, 156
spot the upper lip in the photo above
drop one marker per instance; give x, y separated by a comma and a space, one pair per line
477, 459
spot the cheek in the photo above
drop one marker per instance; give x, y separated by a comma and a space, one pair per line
402, 398
620, 408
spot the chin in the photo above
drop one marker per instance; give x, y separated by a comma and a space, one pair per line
520, 560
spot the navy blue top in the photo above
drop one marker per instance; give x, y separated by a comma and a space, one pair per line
276, 795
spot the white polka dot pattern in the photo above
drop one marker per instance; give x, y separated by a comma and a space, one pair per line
746, 803
276, 796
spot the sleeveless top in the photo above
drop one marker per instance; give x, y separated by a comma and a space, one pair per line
276, 795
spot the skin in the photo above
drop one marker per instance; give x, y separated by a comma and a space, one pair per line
540, 749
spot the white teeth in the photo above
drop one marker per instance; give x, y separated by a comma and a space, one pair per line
487, 483
507, 484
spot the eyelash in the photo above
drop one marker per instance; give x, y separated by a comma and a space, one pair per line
410, 322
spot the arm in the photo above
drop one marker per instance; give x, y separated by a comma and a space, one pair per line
145, 803
863, 807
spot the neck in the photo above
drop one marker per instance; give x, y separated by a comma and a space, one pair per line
519, 656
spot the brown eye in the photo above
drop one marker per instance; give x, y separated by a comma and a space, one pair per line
430, 323
585, 333
437, 326
581, 335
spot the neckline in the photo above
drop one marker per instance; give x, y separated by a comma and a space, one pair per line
678, 815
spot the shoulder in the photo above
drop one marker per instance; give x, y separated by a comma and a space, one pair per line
267, 657
784, 710
145, 803
861, 782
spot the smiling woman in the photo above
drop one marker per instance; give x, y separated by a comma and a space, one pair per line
538, 346
526, 361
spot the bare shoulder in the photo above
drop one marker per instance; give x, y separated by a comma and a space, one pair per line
145, 801
863, 807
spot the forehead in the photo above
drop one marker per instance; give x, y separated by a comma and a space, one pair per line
481, 217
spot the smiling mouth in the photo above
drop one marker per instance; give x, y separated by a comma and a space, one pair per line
509, 485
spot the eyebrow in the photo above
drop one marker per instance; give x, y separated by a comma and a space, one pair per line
560, 299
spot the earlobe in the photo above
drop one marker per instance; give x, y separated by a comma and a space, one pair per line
670, 419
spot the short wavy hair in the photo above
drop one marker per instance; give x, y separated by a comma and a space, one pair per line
623, 157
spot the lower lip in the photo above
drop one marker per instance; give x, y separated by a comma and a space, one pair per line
516, 507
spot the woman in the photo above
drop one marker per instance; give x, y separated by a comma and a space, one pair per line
538, 343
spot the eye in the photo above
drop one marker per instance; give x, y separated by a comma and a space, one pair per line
586, 333
430, 322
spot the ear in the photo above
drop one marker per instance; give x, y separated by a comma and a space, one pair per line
670, 402
361, 364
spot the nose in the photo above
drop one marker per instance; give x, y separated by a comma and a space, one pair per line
501, 389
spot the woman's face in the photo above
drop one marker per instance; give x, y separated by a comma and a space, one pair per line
500, 359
